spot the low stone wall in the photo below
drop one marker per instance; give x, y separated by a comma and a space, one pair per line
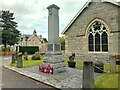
5, 53
103, 58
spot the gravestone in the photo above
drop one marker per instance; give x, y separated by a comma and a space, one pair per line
88, 75
53, 56
19, 61
25, 55
13, 58
112, 63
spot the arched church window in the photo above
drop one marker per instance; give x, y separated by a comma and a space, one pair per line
98, 37
97, 42
104, 42
91, 42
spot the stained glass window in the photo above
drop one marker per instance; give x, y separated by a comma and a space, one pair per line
98, 38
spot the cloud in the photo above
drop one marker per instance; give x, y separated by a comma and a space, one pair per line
33, 14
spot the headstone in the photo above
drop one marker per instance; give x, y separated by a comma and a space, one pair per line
25, 55
19, 61
13, 58
54, 57
112, 64
88, 75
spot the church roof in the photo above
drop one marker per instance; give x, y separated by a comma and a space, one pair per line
85, 6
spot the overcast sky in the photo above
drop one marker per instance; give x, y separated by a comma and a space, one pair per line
32, 14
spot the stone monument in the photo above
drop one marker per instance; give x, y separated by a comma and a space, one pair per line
53, 56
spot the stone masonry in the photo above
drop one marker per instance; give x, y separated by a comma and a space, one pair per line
76, 37
54, 57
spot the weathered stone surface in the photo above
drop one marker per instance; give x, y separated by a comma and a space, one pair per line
112, 64
88, 75
56, 61
54, 57
19, 61
76, 37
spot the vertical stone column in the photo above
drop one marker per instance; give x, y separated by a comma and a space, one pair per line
19, 61
88, 75
53, 30
53, 56
112, 63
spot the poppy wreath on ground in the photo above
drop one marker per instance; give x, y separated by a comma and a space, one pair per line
46, 69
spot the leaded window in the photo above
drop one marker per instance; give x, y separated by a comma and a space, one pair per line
98, 37
91, 43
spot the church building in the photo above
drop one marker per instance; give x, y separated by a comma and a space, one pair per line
95, 31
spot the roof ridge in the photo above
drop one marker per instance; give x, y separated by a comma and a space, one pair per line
84, 6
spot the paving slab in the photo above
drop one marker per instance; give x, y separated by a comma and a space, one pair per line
71, 78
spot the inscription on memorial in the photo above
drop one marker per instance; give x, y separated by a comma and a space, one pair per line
57, 47
50, 47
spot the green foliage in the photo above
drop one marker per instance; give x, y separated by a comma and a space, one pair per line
98, 63
107, 81
28, 49
10, 35
45, 40
71, 58
79, 64
62, 42
3, 48
29, 63
36, 56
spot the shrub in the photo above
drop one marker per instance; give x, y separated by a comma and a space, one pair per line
98, 63
36, 56
28, 49
71, 58
5, 49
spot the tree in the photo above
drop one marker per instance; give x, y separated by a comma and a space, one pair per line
62, 42
45, 40
10, 35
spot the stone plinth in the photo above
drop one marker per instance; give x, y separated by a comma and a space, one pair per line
56, 62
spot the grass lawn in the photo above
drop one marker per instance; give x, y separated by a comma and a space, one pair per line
78, 63
105, 80
29, 62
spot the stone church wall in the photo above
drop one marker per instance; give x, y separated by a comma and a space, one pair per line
76, 36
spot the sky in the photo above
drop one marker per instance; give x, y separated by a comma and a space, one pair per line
33, 14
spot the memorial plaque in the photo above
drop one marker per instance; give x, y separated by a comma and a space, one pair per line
50, 47
57, 47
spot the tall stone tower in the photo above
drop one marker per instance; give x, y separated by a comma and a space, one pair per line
53, 30
53, 56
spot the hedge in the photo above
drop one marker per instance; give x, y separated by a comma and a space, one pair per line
28, 49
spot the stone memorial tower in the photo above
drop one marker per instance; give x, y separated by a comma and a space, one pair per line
53, 30
53, 56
